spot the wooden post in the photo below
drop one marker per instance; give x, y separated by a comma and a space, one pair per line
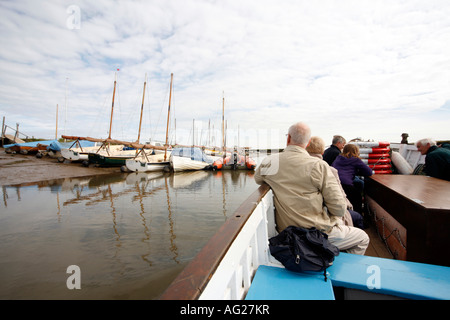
17, 132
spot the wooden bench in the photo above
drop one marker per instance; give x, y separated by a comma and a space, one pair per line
275, 283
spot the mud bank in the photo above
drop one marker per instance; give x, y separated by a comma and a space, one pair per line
23, 169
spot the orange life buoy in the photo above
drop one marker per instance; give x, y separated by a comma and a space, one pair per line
382, 171
380, 166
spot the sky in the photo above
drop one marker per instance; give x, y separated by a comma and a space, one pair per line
364, 69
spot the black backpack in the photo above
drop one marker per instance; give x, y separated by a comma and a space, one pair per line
300, 249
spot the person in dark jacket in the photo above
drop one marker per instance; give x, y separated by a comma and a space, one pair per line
349, 165
437, 160
334, 150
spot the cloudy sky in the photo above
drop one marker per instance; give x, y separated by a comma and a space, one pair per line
364, 68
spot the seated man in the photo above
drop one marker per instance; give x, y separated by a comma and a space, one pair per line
306, 193
437, 160
337, 144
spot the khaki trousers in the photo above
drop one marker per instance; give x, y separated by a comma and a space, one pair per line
351, 239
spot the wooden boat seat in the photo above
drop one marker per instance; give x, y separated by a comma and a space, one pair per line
275, 283
399, 278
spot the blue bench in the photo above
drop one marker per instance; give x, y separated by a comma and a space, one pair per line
274, 283
398, 278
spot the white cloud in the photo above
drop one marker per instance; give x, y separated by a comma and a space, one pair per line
343, 66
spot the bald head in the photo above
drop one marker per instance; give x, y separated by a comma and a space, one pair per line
299, 134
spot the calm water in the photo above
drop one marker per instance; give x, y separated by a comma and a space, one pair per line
130, 234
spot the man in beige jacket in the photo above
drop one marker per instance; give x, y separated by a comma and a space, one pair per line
306, 193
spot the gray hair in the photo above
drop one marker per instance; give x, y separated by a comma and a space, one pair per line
337, 139
425, 141
300, 133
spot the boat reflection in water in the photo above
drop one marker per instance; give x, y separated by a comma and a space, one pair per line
130, 234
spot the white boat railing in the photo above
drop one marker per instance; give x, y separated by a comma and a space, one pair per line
234, 275
225, 267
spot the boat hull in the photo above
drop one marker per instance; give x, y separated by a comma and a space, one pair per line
81, 154
185, 164
74, 155
108, 161
136, 165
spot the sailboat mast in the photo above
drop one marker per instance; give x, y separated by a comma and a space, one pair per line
56, 132
112, 107
142, 109
168, 116
223, 125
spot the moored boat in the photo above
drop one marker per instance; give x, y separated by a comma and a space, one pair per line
27, 147
189, 158
114, 159
81, 147
147, 163
235, 161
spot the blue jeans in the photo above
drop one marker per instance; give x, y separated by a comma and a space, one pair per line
357, 219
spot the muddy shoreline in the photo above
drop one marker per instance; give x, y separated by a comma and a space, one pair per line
19, 169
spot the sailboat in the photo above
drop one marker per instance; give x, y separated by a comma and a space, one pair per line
189, 158
128, 151
79, 152
143, 162
185, 158
235, 160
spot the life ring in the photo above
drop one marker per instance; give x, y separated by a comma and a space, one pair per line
382, 171
371, 144
374, 155
376, 161
374, 150
380, 166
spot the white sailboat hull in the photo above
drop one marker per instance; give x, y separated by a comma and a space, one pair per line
79, 154
141, 164
184, 164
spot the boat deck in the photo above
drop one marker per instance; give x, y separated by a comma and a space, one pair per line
227, 266
377, 247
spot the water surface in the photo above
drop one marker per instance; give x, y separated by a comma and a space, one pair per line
130, 234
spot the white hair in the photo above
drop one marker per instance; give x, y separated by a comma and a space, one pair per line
300, 133
425, 141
